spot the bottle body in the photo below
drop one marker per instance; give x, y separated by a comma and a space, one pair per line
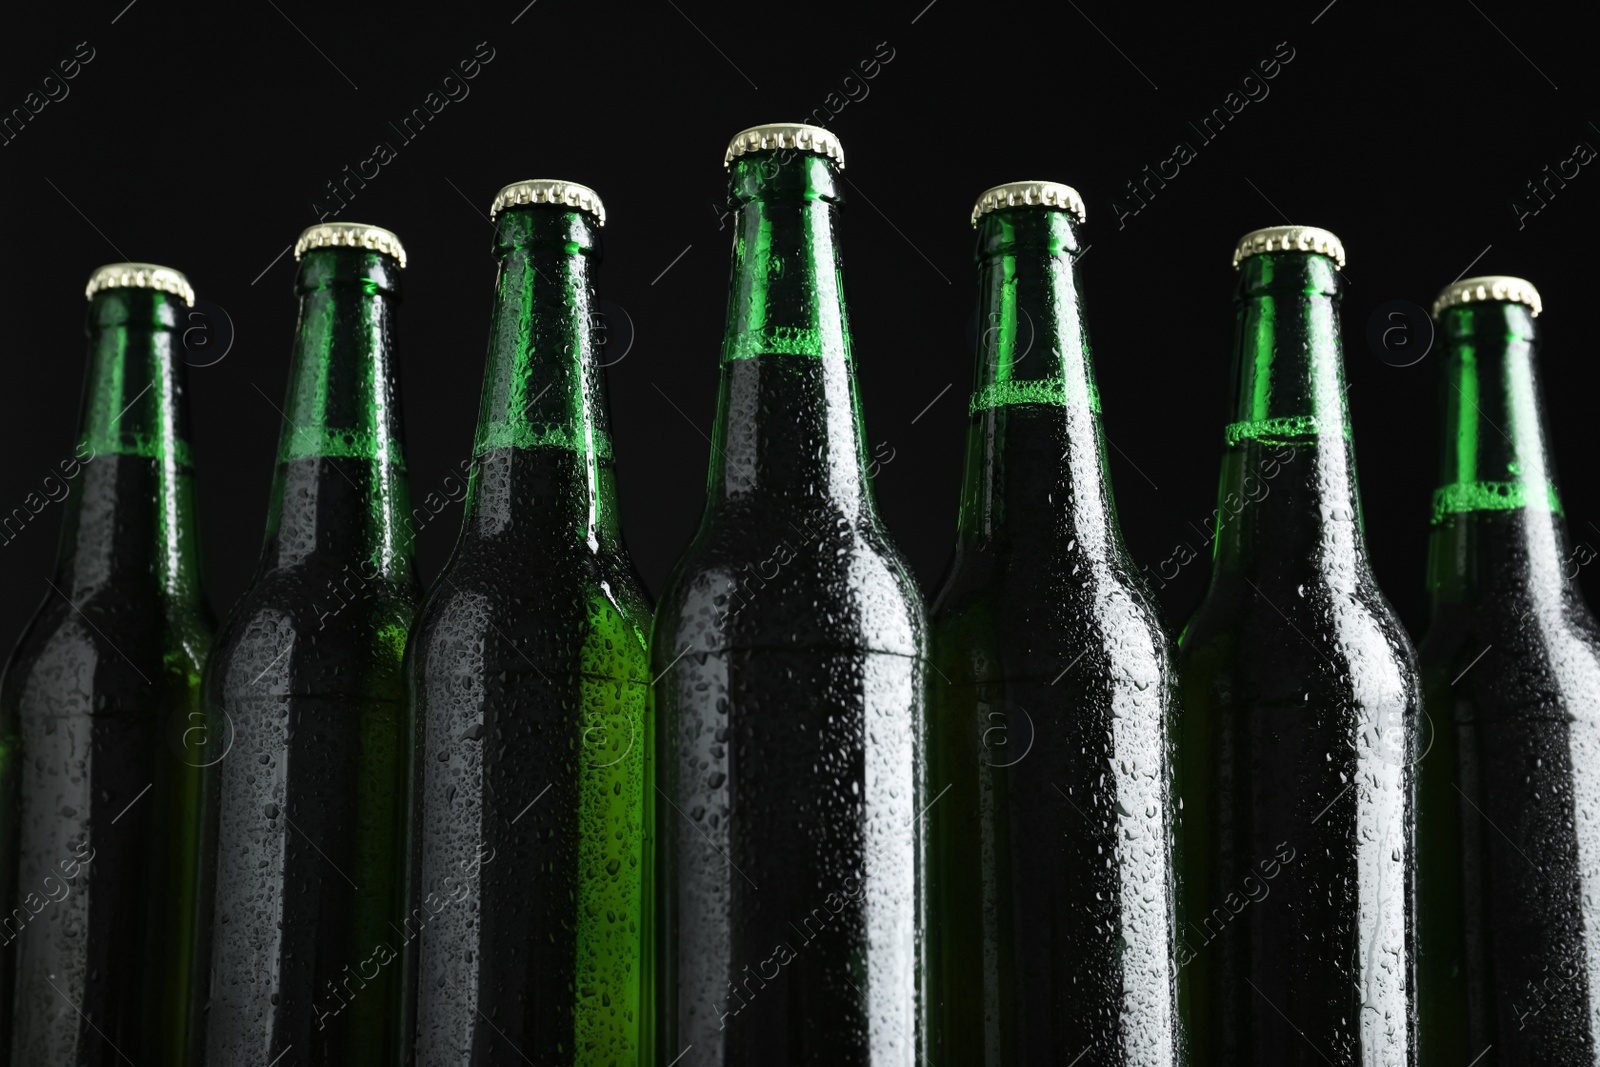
308, 821
1511, 670
528, 676
1053, 910
102, 693
1299, 725
788, 649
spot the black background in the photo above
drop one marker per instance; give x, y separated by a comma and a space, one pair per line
200, 136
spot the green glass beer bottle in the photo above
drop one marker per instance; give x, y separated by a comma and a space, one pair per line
305, 689
100, 768
1300, 708
789, 649
1052, 920
1509, 935
529, 672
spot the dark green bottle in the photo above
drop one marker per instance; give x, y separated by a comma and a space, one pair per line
1300, 712
529, 674
99, 710
309, 819
1052, 921
1509, 929
789, 648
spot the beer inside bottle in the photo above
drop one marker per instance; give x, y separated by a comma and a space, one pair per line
1052, 918
528, 673
789, 647
1508, 923
304, 688
1299, 713
100, 745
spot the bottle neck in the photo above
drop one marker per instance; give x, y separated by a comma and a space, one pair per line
543, 461
133, 512
1288, 505
1035, 469
788, 425
340, 493
1499, 535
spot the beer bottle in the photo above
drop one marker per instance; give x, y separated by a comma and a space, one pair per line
1511, 668
98, 709
528, 673
789, 647
305, 688
1300, 707
1052, 893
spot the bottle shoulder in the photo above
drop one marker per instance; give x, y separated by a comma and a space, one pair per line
321, 611
1503, 661
995, 619
109, 647
1274, 642
817, 580
551, 601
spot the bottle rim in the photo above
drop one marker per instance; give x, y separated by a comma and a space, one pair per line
1489, 287
350, 235
549, 191
796, 136
1290, 238
140, 276
1029, 194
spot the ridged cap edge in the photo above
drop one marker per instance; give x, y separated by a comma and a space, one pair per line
350, 235
795, 135
549, 191
1289, 239
1029, 194
140, 276
1489, 287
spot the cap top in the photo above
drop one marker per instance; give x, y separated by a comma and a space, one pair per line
1489, 287
1029, 194
1289, 239
796, 135
350, 235
140, 276
549, 191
